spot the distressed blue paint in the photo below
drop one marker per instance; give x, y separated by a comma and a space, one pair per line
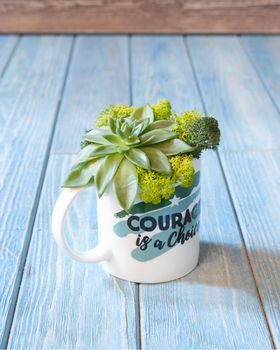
252, 175
264, 53
233, 92
171, 78
217, 305
100, 76
7, 46
30, 91
62, 303
254, 182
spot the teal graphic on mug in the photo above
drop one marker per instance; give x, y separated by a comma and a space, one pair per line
159, 228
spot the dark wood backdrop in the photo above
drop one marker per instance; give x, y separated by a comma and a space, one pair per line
140, 16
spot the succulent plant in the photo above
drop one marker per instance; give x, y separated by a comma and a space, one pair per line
111, 154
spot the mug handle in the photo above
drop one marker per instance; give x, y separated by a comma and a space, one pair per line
100, 253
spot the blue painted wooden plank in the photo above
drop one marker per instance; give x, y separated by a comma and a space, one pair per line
62, 303
252, 175
170, 78
234, 93
7, 46
100, 76
30, 92
217, 305
254, 181
264, 52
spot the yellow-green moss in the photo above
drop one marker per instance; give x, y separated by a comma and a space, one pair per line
182, 168
154, 187
162, 109
113, 111
183, 120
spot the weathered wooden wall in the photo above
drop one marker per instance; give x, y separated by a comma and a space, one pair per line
140, 16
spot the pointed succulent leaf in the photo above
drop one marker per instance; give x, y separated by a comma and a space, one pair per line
91, 182
81, 176
172, 147
120, 133
126, 129
114, 139
156, 136
131, 122
161, 124
132, 140
139, 129
105, 172
112, 124
158, 161
118, 123
104, 150
138, 157
142, 113
85, 154
126, 184
96, 136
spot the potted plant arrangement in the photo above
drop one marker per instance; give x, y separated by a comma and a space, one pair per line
145, 164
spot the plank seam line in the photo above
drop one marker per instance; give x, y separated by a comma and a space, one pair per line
29, 231
139, 335
246, 52
232, 203
137, 302
247, 253
10, 57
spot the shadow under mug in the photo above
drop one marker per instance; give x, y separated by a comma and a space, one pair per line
151, 244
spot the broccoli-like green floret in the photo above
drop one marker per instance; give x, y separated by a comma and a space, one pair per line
203, 133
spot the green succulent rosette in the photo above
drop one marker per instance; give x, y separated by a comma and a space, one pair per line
146, 148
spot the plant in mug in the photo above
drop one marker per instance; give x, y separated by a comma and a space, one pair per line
144, 150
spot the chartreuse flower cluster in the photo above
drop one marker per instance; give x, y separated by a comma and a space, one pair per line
142, 150
153, 186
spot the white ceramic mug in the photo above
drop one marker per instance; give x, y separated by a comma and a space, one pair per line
154, 243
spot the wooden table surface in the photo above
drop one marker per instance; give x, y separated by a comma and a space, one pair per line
51, 89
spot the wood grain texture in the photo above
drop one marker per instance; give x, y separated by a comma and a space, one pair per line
99, 75
140, 16
233, 93
264, 52
7, 45
217, 305
254, 182
30, 91
77, 305
252, 170
64, 304
159, 70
